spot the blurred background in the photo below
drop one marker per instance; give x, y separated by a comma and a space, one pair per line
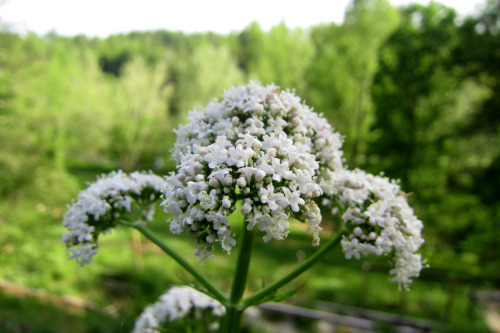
415, 89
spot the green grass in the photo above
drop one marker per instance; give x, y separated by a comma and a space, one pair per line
30, 314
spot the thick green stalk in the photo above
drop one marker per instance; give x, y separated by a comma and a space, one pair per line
258, 296
240, 275
234, 309
213, 290
232, 319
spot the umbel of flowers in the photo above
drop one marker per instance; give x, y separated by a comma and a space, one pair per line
100, 207
178, 303
262, 147
379, 220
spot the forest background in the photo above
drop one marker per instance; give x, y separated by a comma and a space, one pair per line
415, 91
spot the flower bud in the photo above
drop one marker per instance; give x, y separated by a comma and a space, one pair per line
241, 182
226, 202
259, 175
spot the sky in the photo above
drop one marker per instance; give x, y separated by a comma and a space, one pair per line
104, 17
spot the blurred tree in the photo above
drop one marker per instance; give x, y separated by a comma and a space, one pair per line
140, 114
426, 103
249, 46
479, 56
412, 88
116, 50
341, 73
39, 108
200, 75
14, 164
280, 56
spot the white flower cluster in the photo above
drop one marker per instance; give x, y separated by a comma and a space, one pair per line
379, 219
259, 145
178, 303
102, 203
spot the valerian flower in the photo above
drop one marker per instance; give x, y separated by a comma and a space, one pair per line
101, 206
178, 303
379, 220
258, 145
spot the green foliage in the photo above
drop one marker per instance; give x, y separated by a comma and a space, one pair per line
139, 113
200, 75
341, 73
412, 63
426, 102
280, 56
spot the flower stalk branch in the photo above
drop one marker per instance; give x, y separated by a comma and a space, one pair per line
213, 290
258, 296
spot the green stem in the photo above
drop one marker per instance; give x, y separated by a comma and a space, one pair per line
257, 297
240, 275
213, 290
234, 309
232, 319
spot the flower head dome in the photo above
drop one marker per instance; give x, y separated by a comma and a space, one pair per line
379, 220
100, 206
177, 303
258, 145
